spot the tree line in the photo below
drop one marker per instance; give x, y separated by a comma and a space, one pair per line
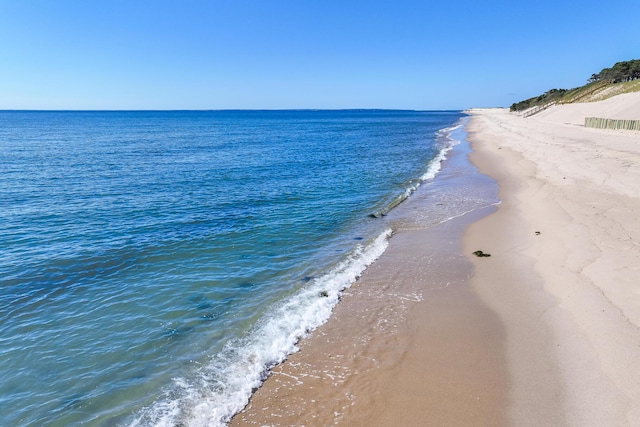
620, 72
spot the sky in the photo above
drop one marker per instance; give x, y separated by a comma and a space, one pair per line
304, 54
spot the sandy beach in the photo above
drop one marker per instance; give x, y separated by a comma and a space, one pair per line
564, 277
542, 332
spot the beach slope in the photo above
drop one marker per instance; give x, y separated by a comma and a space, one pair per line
565, 272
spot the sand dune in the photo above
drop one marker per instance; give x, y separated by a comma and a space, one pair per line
624, 107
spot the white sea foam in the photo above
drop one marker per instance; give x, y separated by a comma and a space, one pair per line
435, 165
216, 392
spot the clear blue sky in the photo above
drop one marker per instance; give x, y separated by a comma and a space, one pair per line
187, 54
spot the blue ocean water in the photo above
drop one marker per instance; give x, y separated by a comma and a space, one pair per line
153, 265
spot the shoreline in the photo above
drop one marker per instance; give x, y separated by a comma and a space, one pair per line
397, 349
401, 326
393, 353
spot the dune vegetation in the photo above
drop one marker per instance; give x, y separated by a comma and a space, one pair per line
623, 77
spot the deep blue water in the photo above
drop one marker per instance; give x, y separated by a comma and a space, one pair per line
153, 264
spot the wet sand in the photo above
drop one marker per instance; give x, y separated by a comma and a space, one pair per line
409, 344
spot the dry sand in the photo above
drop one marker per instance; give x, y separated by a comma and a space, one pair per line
543, 332
572, 292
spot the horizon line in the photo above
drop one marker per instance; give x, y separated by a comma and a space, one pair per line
225, 109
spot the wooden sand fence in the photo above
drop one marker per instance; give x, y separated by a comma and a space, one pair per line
596, 122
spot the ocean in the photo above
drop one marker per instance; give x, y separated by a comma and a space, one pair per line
154, 265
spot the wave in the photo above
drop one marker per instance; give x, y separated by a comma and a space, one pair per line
447, 142
213, 394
